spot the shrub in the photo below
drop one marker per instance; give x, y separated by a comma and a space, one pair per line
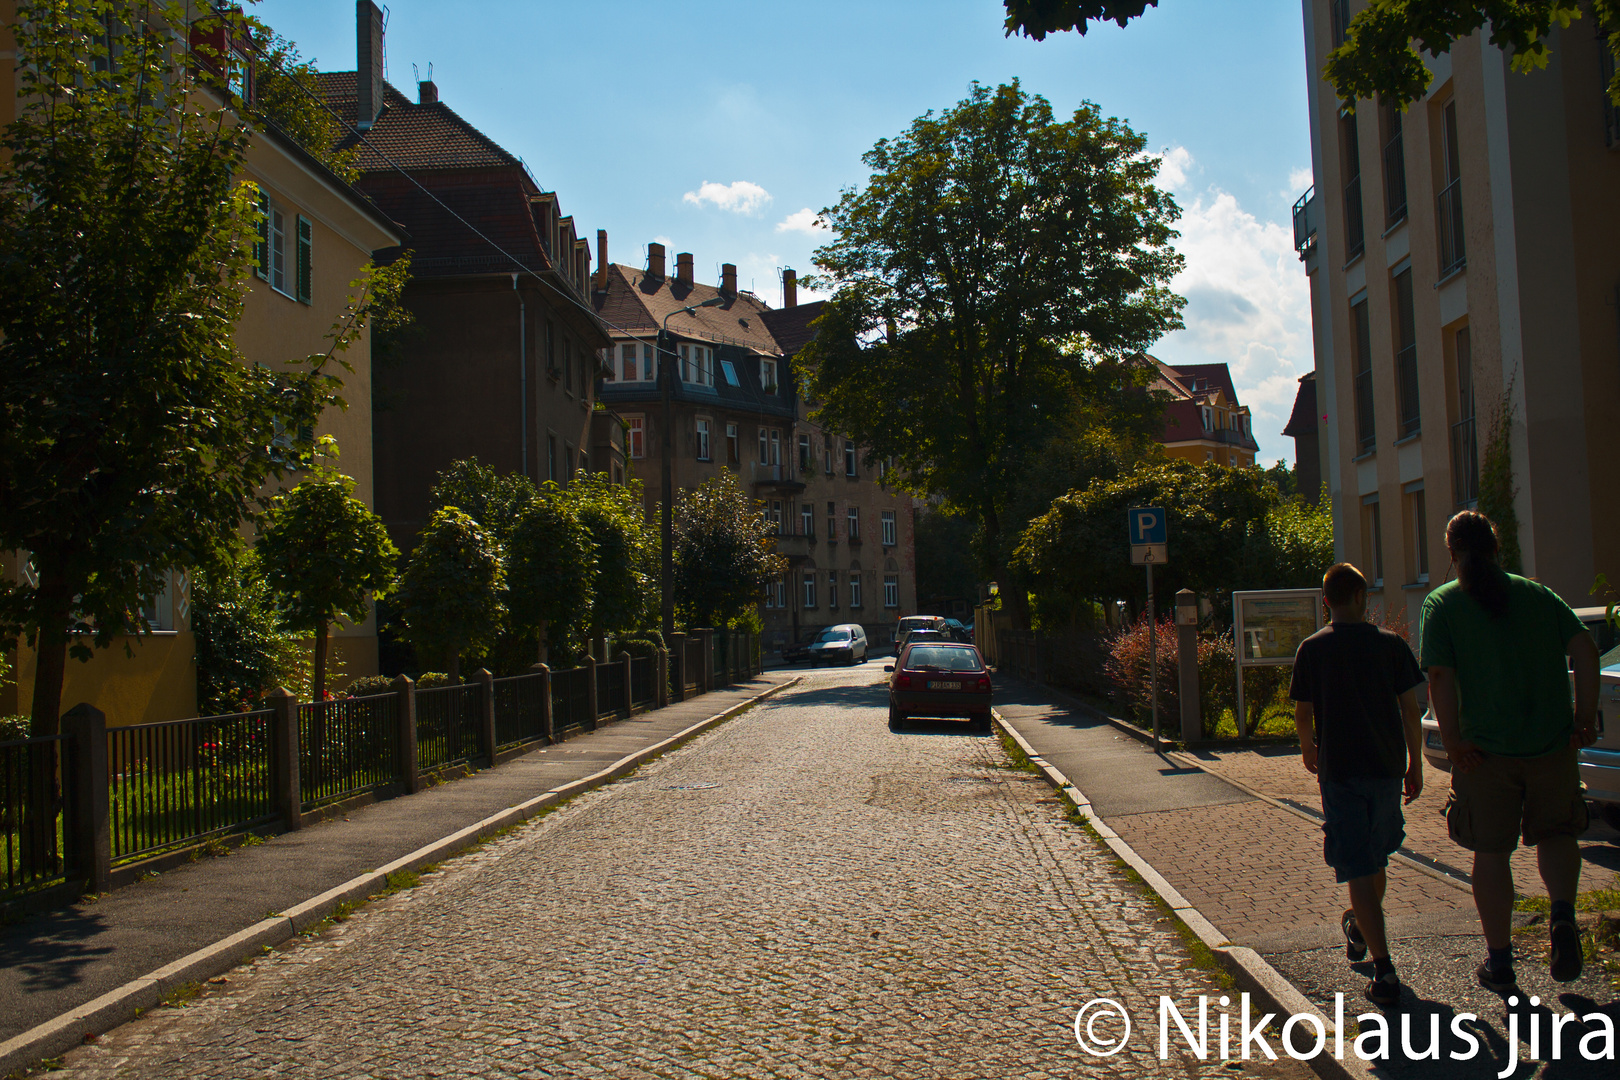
1126, 666
369, 685
429, 679
647, 644
13, 727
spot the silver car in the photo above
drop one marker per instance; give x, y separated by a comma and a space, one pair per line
841, 644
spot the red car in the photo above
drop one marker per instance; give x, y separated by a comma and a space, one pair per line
938, 678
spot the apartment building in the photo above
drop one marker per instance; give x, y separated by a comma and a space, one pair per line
735, 406
1203, 422
1463, 252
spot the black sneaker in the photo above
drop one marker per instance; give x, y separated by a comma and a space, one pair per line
1497, 980
1355, 946
1385, 991
1565, 965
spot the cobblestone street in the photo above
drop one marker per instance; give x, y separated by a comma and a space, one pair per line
799, 892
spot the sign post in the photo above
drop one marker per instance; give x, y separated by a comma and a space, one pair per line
1267, 628
1147, 529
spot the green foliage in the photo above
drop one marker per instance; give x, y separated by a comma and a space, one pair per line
1382, 53
13, 727
1298, 546
1037, 18
1079, 550
492, 500
550, 570
1023, 261
287, 98
624, 579
1285, 477
1497, 490
725, 552
243, 650
945, 563
451, 592
368, 685
1128, 668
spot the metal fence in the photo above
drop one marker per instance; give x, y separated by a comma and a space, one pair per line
643, 682
347, 746
31, 817
692, 667
447, 722
610, 688
520, 710
571, 701
178, 782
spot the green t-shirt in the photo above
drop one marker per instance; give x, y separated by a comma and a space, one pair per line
1513, 695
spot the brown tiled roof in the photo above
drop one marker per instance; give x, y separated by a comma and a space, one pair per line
636, 301
494, 202
1166, 379
409, 135
791, 326
1217, 375
1303, 420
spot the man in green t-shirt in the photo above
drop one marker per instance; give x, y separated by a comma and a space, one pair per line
1494, 645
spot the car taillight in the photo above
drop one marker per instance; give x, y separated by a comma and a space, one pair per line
902, 682
984, 682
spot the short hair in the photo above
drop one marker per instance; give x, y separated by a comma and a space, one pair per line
1341, 583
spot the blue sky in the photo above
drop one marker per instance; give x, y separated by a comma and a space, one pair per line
713, 129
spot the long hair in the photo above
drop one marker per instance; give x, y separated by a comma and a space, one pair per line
1471, 538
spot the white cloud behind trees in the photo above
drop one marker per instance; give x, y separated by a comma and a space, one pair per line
738, 197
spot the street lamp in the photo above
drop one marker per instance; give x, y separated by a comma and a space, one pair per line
666, 376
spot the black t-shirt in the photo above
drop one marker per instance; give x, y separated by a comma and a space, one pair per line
1353, 675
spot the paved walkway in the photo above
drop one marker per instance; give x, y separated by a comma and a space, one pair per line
52, 963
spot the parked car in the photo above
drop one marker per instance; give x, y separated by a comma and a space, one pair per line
795, 652
908, 623
938, 678
922, 633
958, 632
841, 644
1600, 762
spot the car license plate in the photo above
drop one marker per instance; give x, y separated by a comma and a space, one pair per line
943, 684
1434, 741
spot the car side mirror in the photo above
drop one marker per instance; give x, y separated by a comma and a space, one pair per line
888, 667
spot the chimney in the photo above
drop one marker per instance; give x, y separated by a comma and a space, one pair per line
655, 260
368, 71
728, 278
427, 92
683, 268
601, 259
790, 288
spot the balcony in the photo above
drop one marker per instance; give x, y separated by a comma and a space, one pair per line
1449, 215
1229, 437
776, 477
795, 547
1306, 213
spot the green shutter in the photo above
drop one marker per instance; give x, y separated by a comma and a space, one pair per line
261, 246
304, 286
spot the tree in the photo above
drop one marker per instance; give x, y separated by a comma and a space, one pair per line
243, 650
725, 553
451, 592
624, 582
325, 555
492, 500
287, 97
992, 282
551, 567
1037, 18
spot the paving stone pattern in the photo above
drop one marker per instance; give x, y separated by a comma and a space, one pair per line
799, 892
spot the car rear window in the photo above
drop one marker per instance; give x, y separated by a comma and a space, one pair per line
946, 659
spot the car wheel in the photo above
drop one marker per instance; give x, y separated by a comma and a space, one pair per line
1611, 815
897, 719
982, 723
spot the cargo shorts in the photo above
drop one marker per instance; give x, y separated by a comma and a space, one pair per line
1506, 799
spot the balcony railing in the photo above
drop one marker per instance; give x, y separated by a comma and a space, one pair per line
775, 475
1228, 436
1465, 462
1453, 252
1305, 212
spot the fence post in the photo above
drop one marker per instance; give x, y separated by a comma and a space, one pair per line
706, 651
661, 690
89, 842
548, 725
408, 772
677, 649
486, 712
590, 689
629, 695
286, 785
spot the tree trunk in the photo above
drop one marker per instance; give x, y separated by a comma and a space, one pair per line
455, 669
318, 692
544, 650
39, 853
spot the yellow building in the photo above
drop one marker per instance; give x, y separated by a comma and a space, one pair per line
1204, 422
322, 235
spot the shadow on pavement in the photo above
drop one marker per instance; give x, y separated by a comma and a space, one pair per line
50, 949
873, 695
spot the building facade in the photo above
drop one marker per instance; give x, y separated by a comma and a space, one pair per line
735, 406
1204, 422
1464, 257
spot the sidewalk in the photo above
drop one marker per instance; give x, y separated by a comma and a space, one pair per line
56, 962
1254, 870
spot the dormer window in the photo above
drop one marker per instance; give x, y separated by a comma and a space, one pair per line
767, 375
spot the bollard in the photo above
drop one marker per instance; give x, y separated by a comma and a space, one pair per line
286, 792
486, 712
590, 689
1192, 724
548, 726
89, 843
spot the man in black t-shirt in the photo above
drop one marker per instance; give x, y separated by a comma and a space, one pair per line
1355, 705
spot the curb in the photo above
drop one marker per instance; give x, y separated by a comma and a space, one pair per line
1270, 990
118, 1006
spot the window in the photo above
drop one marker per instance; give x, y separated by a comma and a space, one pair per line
158, 610
827, 454
551, 457
776, 516
781, 591
551, 348
1449, 215
647, 373
1361, 343
730, 372
832, 588
764, 447
703, 440
776, 448
1464, 445
636, 439
697, 364
767, 376
854, 527
889, 531
289, 448
568, 365
854, 589
1338, 20
1390, 117
627, 362
849, 458
1209, 418
809, 589
1417, 531
1406, 370
832, 521
1372, 538
891, 590
807, 521
804, 453
733, 445
273, 233
567, 463
1350, 152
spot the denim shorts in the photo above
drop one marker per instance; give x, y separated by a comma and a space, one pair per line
1363, 824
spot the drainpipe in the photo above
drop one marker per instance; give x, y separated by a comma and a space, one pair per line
523, 380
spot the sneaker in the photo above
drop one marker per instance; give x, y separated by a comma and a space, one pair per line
1355, 946
1385, 991
1497, 980
1565, 965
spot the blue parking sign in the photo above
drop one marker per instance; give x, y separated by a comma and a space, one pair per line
1147, 524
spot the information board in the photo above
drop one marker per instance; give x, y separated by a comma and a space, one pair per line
1270, 625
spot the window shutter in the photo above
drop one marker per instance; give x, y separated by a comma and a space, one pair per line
305, 289
261, 246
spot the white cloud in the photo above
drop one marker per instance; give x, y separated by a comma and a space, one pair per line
739, 196
1299, 180
1248, 305
801, 221
1174, 164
